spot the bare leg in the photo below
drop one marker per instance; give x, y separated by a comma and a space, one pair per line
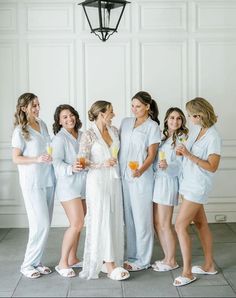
187, 213
205, 236
158, 230
75, 214
72, 259
165, 214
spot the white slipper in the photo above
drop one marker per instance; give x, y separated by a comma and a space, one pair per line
133, 267
77, 265
43, 269
199, 270
104, 268
157, 262
30, 272
119, 273
161, 267
66, 272
183, 281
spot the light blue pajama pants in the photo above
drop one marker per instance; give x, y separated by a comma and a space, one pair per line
39, 207
138, 209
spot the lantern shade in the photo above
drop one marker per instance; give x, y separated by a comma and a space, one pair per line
104, 16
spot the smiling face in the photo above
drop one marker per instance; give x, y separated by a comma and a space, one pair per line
67, 119
32, 110
139, 109
174, 121
108, 115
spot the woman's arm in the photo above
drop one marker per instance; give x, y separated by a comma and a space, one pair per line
19, 159
211, 164
152, 150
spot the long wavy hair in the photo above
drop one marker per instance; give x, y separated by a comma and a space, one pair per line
57, 126
183, 130
146, 99
20, 116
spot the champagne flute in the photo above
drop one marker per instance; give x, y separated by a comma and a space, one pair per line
162, 155
49, 149
133, 165
182, 140
114, 151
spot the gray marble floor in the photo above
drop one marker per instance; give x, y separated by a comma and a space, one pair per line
141, 284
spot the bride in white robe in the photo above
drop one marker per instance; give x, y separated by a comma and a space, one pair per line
104, 241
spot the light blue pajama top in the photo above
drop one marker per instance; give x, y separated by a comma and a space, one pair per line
166, 187
134, 146
69, 185
37, 175
196, 183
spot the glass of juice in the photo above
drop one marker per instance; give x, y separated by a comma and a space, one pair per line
133, 165
162, 155
81, 160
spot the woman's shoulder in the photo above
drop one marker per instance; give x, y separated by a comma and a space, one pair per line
127, 121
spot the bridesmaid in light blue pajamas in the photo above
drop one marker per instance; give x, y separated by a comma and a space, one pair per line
140, 136
70, 183
166, 187
201, 160
29, 142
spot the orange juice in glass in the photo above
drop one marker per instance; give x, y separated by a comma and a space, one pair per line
133, 164
81, 161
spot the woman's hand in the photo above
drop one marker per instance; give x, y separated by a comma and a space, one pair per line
163, 164
182, 150
137, 173
111, 162
44, 158
77, 166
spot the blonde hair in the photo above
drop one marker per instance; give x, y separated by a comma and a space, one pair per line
201, 107
100, 106
20, 116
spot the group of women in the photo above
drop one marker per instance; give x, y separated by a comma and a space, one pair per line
131, 179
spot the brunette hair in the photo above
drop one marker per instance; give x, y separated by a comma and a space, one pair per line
20, 116
183, 130
100, 106
57, 126
201, 107
146, 99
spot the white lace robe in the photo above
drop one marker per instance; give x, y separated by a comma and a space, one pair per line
104, 220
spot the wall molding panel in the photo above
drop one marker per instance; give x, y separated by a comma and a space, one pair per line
174, 49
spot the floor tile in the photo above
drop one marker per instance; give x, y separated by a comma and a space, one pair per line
96, 293
211, 291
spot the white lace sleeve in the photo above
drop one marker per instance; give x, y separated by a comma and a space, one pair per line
86, 143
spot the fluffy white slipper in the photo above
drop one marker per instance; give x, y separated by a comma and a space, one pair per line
156, 262
77, 265
30, 272
161, 267
199, 270
43, 269
119, 273
66, 272
183, 281
104, 268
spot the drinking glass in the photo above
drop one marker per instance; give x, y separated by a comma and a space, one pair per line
133, 165
49, 148
162, 155
81, 160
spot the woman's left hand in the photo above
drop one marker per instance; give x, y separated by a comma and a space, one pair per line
183, 150
137, 173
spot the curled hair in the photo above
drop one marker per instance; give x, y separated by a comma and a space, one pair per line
100, 106
183, 130
57, 126
201, 107
20, 116
146, 99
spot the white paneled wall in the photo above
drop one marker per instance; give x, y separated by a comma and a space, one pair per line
175, 50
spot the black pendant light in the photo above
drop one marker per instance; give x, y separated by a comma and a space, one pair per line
104, 16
